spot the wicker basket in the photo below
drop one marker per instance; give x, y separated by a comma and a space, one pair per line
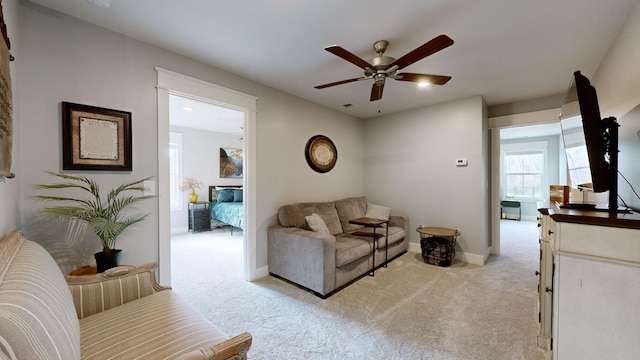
438, 251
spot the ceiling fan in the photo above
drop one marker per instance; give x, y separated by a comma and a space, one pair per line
382, 67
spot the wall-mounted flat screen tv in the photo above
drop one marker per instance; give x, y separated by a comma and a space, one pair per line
584, 129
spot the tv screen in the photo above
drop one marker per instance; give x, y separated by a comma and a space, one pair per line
593, 129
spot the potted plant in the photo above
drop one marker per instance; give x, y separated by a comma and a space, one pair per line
191, 184
104, 217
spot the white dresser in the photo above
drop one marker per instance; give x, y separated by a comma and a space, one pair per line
589, 289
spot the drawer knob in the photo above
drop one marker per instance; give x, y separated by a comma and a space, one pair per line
548, 290
537, 273
550, 232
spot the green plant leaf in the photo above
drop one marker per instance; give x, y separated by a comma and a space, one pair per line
105, 218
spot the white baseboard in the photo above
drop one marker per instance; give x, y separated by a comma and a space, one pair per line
179, 230
464, 257
472, 258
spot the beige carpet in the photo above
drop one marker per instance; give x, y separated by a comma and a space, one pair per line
411, 310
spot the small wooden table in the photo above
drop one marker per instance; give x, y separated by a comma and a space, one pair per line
443, 233
84, 270
374, 223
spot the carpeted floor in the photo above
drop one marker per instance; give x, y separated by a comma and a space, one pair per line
410, 310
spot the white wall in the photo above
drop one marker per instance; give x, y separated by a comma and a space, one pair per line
201, 161
9, 216
618, 77
283, 174
618, 85
410, 166
64, 59
628, 165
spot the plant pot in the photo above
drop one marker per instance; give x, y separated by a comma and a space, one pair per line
106, 261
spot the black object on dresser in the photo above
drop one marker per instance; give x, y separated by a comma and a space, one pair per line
199, 217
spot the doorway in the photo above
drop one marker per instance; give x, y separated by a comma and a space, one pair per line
171, 83
524, 141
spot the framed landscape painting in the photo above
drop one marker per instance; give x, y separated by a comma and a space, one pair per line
231, 163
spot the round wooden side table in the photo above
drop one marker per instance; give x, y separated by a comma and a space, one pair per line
438, 245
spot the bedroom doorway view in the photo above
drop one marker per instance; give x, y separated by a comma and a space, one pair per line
530, 160
206, 158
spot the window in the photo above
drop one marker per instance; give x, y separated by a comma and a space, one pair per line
524, 175
578, 165
175, 171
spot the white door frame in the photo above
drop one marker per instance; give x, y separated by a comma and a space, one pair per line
170, 82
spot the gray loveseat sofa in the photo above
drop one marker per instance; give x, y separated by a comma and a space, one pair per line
120, 314
325, 262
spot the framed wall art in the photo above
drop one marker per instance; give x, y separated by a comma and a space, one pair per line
230, 163
95, 138
321, 153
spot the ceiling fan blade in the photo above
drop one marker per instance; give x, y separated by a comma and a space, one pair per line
346, 55
339, 82
376, 90
431, 79
431, 47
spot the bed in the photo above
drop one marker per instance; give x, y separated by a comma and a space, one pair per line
227, 207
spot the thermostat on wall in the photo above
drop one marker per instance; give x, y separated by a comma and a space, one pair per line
461, 162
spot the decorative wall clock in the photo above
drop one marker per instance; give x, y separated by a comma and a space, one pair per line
321, 153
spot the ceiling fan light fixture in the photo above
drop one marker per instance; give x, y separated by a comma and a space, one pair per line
382, 67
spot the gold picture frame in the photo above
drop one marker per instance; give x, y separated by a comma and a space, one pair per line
95, 138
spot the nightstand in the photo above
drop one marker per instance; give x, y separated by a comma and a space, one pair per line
199, 216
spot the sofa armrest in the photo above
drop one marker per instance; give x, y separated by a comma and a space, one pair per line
235, 348
401, 221
304, 257
96, 293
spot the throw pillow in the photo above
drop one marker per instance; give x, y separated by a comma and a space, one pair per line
377, 212
224, 195
237, 195
316, 223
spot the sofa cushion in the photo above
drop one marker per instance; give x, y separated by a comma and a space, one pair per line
377, 211
396, 234
37, 316
96, 293
294, 215
158, 326
349, 209
349, 249
316, 223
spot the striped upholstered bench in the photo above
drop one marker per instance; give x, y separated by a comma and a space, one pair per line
120, 314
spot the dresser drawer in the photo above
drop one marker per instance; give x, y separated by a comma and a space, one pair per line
200, 213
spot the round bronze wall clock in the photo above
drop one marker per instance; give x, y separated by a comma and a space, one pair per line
321, 153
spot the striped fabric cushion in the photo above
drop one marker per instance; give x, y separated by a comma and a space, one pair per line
97, 293
37, 317
158, 326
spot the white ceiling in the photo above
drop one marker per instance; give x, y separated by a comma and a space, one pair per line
196, 114
504, 50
